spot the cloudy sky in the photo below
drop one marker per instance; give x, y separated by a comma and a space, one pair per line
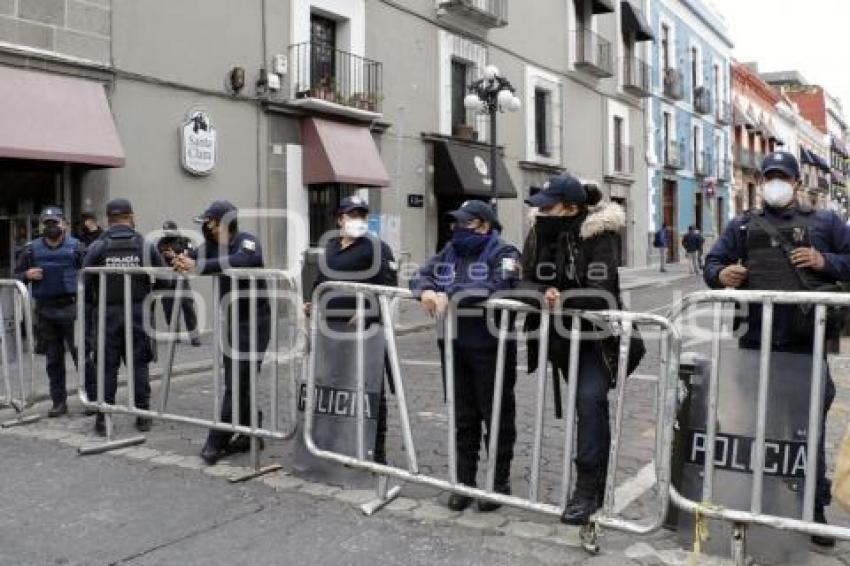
812, 37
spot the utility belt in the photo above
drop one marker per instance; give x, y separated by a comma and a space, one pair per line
57, 302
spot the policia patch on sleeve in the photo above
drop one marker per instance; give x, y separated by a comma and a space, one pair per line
249, 246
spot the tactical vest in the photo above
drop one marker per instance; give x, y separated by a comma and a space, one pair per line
769, 267
125, 252
59, 268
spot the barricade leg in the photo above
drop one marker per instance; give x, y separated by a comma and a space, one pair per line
22, 309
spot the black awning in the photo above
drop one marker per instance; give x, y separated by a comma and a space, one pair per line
806, 157
603, 6
462, 169
633, 19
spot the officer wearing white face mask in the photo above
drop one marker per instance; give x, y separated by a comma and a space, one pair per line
357, 256
786, 246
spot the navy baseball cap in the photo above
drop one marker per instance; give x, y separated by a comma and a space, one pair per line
473, 209
217, 210
118, 207
54, 213
559, 188
350, 204
781, 161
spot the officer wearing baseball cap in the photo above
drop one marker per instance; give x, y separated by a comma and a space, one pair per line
784, 246
120, 246
51, 264
226, 246
474, 265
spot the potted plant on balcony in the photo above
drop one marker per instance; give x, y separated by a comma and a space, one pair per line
463, 131
325, 89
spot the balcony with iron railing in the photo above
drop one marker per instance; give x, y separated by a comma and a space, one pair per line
637, 76
594, 54
674, 155
723, 113
724, 170
673, 82
744, 158
758, 159
321, 75
487, 13
702, 100
623, 160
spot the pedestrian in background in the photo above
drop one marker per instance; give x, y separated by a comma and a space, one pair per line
660, 242
693, 242
89, 229
51, 264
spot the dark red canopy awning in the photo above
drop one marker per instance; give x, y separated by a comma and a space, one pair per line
336, 152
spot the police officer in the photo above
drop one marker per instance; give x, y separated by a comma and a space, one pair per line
788, 246
51, 263
89, 229
475, 264
121, 246
351, 256
224, 247
171, 245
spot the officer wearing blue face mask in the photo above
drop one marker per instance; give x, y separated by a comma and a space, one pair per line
785, 246
475, 264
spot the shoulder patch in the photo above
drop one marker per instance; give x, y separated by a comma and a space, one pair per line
249, 245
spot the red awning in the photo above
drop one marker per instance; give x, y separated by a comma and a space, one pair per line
49, 117
335, 152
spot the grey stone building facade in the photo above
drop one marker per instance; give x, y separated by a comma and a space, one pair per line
285, 106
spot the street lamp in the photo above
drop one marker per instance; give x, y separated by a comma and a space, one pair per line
489, 95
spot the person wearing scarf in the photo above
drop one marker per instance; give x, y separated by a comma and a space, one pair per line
473, 266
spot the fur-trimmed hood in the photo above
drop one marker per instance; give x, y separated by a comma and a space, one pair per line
607, 216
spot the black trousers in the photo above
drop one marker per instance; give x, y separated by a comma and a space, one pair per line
593, 429
475, 372
220, 438
823, 491
115, 352
57, 336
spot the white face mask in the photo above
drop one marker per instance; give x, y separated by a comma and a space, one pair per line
778, 193
355, 228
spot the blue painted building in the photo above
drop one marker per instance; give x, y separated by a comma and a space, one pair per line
689, 121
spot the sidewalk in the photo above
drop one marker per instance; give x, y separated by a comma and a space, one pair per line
631, 279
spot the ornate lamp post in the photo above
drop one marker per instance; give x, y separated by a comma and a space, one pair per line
489, 95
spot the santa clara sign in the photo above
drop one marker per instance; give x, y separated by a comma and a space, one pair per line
198, 143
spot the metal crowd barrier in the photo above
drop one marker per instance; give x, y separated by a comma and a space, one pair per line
22, 314
606, 517
281, 286
742, 519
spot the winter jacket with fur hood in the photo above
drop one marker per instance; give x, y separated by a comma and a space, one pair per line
586, 258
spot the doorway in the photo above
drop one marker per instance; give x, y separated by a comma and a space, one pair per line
698, 211
670, 215
624, 233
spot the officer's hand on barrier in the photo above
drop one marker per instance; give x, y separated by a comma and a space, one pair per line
35, 274
733, 275
552, 296
429, 302
808, 257
442, 303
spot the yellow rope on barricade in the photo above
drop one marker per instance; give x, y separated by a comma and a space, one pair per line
701, 533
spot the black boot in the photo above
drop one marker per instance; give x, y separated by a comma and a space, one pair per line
459, 502
58, 409
100, 424
242, 443
585, 499
211, 453
825, 542
503, 487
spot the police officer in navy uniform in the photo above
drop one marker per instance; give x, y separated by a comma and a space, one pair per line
51, 264
475, 264
351, 256
121, 246
815, 252
225, 247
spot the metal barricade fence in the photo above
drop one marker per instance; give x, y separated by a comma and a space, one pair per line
281, 287
742, 519
21, 314
666, 397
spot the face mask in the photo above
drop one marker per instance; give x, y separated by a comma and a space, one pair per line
467, 241
355, 228
209, 235
778, 193
52, 232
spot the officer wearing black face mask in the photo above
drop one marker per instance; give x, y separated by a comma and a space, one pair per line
474, 265
785, 246
226, 247
51, 264
574, 246
121, 246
